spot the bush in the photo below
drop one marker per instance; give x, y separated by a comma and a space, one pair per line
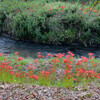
50, 23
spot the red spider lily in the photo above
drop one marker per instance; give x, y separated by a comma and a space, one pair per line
55, 61
17, 75
73, 2
67, 61
59, 55
8, 63
49, 55
1, 54
79, 70
96, 13
42, 56
42, 4
67, 56
70, 53
30, 72
81, 9
25, 75
50, 9
77, 74
45, 73
67, 71
16, 53
90, 54
5, 54
74, 79
35, 61
62, 7
92, 57
30, 9
30, 67
86, 8
94, 10
90, 73
78, 63
34, 68
98, 76
84, 58
20, 58
11, 73
51, 66
31, 64
34, 77
82, 4
8, 68
39, 56
39, 53
53, 70
15, 65
69, 67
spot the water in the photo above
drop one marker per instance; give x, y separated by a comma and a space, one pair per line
8, 46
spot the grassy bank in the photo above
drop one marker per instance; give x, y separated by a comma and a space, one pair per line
59, 70
51, 22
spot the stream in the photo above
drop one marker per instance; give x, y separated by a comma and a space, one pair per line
25, 49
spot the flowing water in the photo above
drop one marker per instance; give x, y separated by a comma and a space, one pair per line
8, 46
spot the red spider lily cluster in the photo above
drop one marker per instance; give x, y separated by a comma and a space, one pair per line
73, 70
83, 9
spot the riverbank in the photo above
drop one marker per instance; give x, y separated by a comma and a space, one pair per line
56, 77
59, 70
51, 23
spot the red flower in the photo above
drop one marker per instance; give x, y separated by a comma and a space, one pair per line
62, 7
16, 53
55, 61
81, 9
5, 54
30, 9
35, 61
30, 72
35, 77
45, 73
39, 53
79, 70
11, 73
50, 9
39, 56
70, 53
84, 58
53, 70
20, 58
73, 2
90, 54
1, 54
17, 75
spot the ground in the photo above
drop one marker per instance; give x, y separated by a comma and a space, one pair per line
36, 92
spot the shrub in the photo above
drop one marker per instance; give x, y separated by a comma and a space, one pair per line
50, 23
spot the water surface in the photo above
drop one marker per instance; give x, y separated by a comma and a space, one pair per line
8, 45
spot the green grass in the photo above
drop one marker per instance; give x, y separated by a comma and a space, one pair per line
46, 71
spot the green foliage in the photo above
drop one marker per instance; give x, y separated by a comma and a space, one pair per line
48, 23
